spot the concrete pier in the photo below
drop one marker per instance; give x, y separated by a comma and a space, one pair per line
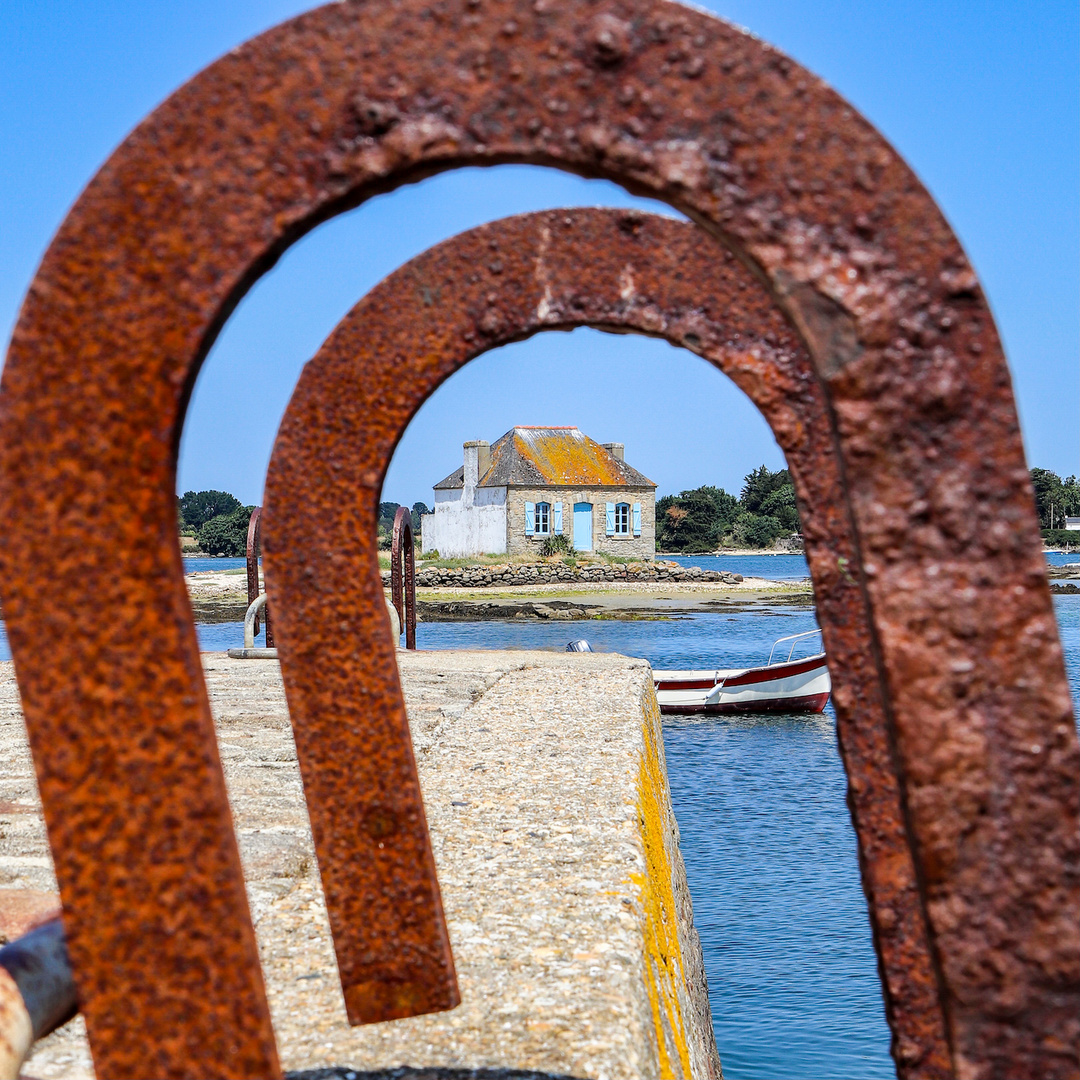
546, 791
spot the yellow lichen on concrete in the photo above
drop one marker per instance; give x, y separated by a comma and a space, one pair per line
664, 971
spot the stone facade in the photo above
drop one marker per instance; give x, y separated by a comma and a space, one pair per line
642, 547
510, 496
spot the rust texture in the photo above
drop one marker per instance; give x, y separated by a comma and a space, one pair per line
252, 552
403, 574
354, 99
614, 270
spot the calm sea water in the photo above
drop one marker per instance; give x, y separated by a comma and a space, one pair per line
794, 567
767, 841
773, 567
192, 564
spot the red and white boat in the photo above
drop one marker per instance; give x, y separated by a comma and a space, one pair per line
787, 686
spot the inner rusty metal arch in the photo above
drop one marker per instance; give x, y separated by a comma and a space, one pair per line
621, 271
354, 99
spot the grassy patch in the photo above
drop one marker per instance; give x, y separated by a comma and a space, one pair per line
476, 562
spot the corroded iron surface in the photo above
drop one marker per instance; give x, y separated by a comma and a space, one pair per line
352, 100
403, 574
615, 270
252, 552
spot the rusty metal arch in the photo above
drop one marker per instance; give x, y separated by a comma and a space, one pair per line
357, 98
621, 271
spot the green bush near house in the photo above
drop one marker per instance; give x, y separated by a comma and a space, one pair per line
556, 544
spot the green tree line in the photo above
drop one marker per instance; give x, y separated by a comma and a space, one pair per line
387, 513
708, 518
219, 521
1055, 499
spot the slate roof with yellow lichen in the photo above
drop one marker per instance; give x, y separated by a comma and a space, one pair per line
551, 457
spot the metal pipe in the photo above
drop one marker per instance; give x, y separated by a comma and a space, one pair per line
37, 992
251, 620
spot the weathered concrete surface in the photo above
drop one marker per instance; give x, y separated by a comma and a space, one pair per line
546, 792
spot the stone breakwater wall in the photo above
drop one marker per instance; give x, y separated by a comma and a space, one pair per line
546, 794
554, 573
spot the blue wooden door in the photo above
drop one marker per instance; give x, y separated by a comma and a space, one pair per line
583, 526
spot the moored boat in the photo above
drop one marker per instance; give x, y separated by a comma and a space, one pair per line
786, 686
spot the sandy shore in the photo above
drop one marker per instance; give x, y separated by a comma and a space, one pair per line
221, 596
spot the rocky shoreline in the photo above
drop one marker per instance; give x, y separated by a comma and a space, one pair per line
558, 573
556, 591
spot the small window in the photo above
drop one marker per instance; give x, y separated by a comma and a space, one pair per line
543, 519
622, 519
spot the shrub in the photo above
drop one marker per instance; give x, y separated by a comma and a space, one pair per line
226, 534
555, 545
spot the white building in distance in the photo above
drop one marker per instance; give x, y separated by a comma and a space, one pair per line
537, 482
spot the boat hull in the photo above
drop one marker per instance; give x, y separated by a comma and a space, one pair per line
800, 686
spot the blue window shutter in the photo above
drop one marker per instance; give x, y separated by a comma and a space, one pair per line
611, 519
557, 527
530, 518
637, 519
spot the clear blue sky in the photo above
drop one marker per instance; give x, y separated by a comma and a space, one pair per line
981, 98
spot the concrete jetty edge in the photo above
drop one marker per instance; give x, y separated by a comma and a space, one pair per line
557, 850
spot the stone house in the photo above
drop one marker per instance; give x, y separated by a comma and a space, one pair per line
535, 482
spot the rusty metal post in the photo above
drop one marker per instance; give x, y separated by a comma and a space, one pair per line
955, 632
253, 550
403, 574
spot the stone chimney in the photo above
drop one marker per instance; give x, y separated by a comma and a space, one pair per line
477, 462
615, 449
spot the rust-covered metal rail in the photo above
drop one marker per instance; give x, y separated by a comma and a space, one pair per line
351, 100
252, 551
403, 574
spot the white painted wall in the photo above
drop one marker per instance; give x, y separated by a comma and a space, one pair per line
467, 521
